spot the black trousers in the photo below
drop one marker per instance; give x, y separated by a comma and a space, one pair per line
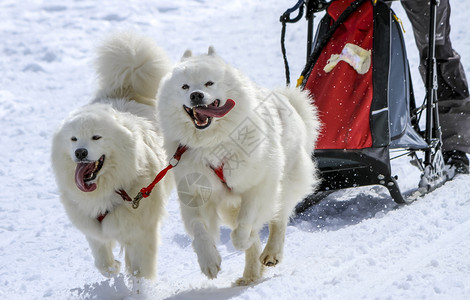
452, 91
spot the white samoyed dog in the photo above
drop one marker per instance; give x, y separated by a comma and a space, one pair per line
104, 152
247, 160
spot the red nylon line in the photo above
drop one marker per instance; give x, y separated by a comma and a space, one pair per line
147, 190
177, 156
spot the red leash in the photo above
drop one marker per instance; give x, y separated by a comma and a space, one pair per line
145, 191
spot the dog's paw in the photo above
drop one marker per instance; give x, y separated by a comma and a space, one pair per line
241, 238
211, 269
209, 259
112, 270
210, 264
270, 258
246, 280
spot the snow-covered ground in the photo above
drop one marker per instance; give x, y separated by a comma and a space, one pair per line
356, 244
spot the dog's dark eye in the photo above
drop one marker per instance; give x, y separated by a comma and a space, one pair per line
96, 137
209, 83
73, 139
185, 87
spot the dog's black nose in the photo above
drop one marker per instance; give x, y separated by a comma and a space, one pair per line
196, 98
81, 153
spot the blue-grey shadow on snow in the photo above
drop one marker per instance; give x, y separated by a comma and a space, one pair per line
112, 288
209, 293
344, 208
214, 293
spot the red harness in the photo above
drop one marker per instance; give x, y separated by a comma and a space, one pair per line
220, 173
124, 197
145, 191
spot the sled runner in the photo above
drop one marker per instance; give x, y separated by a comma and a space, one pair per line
358, 75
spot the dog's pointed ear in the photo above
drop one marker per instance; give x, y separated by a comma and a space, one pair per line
211, 50
186, 54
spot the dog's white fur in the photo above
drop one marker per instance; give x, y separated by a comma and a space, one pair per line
123, 115
266, 175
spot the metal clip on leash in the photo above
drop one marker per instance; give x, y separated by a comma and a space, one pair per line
135, 202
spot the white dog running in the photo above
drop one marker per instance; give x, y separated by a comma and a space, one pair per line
248, 159
110, 148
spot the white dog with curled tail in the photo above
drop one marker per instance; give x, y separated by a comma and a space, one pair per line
104, 152
248, 159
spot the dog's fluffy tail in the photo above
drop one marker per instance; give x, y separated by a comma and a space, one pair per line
302, 103
131, 66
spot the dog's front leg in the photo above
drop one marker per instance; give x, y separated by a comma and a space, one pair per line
207, 254
242, 236
272, 253
255, 208
104, 258
141, 254
253, 267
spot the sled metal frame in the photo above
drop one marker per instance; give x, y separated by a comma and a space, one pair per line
341, 169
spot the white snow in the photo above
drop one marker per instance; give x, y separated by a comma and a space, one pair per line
356, 244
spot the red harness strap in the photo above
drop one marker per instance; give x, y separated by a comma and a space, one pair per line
145, 191
102, 216
219, 171
124, 197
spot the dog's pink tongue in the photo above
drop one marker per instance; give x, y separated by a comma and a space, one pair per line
80, 172
214, 111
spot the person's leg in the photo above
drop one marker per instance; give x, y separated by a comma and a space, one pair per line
452, 92
451, 75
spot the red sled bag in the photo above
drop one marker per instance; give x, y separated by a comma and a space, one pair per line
343, 75
360, 80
